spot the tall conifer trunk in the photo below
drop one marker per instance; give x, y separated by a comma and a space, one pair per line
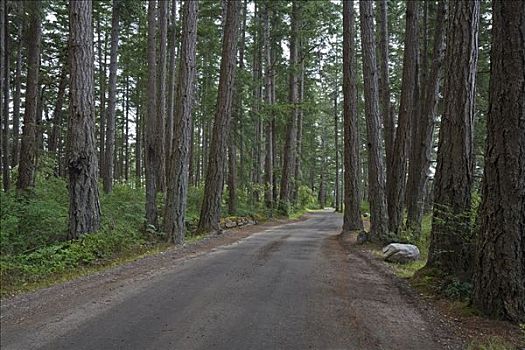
499, 279
84, 206
211, 206
450, 239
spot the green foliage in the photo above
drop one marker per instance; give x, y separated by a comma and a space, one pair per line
456, 289
33, 230
491, 343
306, 199
93, 249
365, 207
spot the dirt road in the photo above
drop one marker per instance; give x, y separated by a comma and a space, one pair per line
293, 286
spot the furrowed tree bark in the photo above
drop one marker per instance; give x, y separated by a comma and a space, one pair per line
151, 152
300, 122
177, 193
172, 47
268, 161
139, 126
211, 206
396, 174
352, 199
28, 150
84, 207
499, 278
336, 144
256, 106
112, 96
15, 154
102, 108
384, 90
290, 145
126, 134
376, 167
450, 246
161, 96
4, 106
420, 156
57, 114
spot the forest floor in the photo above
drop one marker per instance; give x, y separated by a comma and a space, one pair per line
293, 285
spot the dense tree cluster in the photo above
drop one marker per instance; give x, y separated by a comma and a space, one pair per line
411, 107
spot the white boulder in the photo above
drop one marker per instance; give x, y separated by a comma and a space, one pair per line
401, 253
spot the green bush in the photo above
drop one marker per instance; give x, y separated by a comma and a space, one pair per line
306, 199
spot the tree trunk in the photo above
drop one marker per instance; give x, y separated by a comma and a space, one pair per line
15, 155
336, 144
172, 47
388, 120
4, 106
376, 167
450, 238
290, 146
211, 206
177, 193
420, 156
396, 174
102, 107
351, 216
257, 96
161, 96
57, 113
499, 279
238, 115
300, 117
152, 120
268, 161
138, 146
126, 134
27, 165
111, 117
84, 207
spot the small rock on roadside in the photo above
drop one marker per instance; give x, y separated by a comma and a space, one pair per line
401, 253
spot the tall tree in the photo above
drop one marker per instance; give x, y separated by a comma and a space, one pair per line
112, 99
211, 206
177, 192
172, 48
290, 144
152, 153
237, 117
336, 143
4, 88
269, 99
351, 216
423, 129
57, 113
499, 279
376, 167
27, 165
384, 89
15, 155
396, 174
84, 206
450, 237
102, 49
256, 104
161, 96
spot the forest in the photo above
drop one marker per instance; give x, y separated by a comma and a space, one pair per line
130, 126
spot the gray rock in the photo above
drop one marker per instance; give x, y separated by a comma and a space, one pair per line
230, 224
401, 253
362, 237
